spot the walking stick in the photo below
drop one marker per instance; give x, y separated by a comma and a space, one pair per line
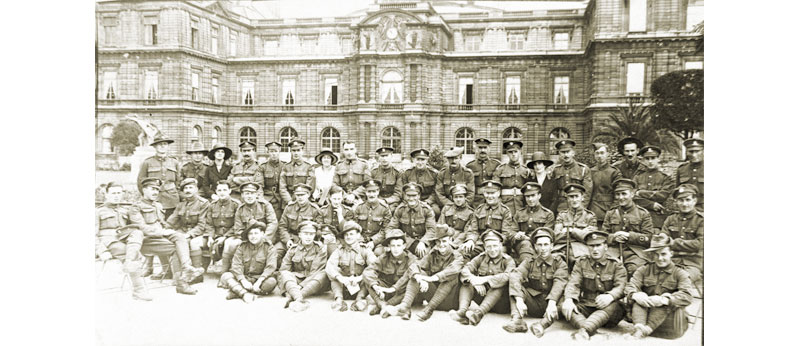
568, 246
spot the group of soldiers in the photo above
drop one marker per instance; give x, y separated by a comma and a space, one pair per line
546, 240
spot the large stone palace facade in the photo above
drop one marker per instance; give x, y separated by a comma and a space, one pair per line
406, 74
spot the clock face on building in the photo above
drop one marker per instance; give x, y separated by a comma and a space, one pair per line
391, 33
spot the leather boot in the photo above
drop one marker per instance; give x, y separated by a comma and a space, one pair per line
404, 312
517, 325
425, 314
474, 316
358, 305
337, 304
581, 334
459, 316
139, 290
184, 288
249, 297
190, 274
232, 295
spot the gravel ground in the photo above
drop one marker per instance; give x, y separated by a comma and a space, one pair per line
208, 319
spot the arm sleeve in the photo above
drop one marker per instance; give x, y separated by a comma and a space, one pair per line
174, 219
272, 263
620, 278
635, 283
283, 190
642, 237
509, 226
332, 266
286, 263
588, 184
573, 288
559, 282
99, 247
471, 267
419, 267
682, 297
470, 186
272, 222
439, 189
318, 264
515, 280
200, 227
136, 218
430, 225
471, 229
395, 197
451, 270
238, 221
237, 264
142, 174
370, 274
283, 229
501, 279
689, 245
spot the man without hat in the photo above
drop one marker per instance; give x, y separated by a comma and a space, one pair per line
388, 177
512, 175
246, 170
424, 176
569, 171
334, 211
164, 168
533, 214
629, 225
387, 277
373, 217
491, 215
455, 173
271, 173
345, 268
415, 219
574, 222
254, 268
296, 213
457, 215
297, 171
482, 167
658, 292
603, 174
630, 165
654, 186
300, 277
220, 232
691, 172
351, 172
195, 168
190, 218
686, 228
255, 208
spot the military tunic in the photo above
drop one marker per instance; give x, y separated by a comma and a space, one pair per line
293, 173
629, 170
497, 217
108, 218
390, 188
220, 217
575, 173
424, 177
512, 176
190, 216
692, 173
686, 230
434, 263
577, 222
373, 219
304, 265
538, 280
389, 271
165, 169
417, 223
245, 172
159, 239
252, 262
529, 218
457, 218
196, 170
329, 216
653, 187
349, 260
271, 173
671, 281
637, 222
482, 170
590, 278
293, 215
498, 270
350, 174
602, 197
259, 211
446, 178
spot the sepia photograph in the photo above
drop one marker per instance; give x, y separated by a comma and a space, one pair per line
398, 172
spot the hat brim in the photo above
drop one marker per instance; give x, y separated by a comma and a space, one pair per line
228, 153
168, 141
387, 240
319, 156
621, 144
547, 163
205, 152
654, 249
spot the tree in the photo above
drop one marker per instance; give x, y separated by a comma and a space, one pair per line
125, 137
678, 102
636, 120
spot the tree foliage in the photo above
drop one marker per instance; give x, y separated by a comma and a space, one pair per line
125, 137
636, 120
678, 102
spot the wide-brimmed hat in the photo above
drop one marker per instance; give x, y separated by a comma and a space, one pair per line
220, 146
161, 139
628, 140
197, 147
393, 234
348, 226
658, 242
253, 225
539, 157
441, 230
324, 152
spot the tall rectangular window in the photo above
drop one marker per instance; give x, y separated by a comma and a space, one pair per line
270, 46
214, 40
108, 32
195, 38
110, 85
413, 82
331, 91
635, 74
110, 24
561, 90
232, 45
248, 92
195, 86
561, 40
288, 91
472, 43
516, 41
465, 96
151, 85
512, 90
637, 16
367, 83
308, 45
151, 34
214, 90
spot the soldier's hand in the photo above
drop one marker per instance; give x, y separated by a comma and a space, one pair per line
603, 300
641, 299
105, 256
621, 237
370, 245
568, 308
167, 232
423, 286
258, 283
246, 284
481, 289
521, 307
552, 310
421, 249
478, 280
657, 301
468, 245
658, 207
519, 236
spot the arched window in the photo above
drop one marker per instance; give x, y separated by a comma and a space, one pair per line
197, 134
215, 135
247, 134
286, 135
464, 138
392, 87
105, 139
331, 139
390, 137
555, 135
512, 133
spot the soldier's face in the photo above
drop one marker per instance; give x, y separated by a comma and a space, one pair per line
223, 191
543, 247
396, 246
383, 159
301, 196
161, 148
493, 248
454, 162
372, 194
197, 157
114, 195
306, 237
420, 162
651, 161
151, 193
686, 203
444, 245
532, 199
336, 199
574, 200
349, 150
255, 236
598, 251
513, 154
248, 154
694, 155
274, 152
190, 190
459, 199
492, 196
624, 197
539, 167
351, 237
566, 155
483, 151
630, 150
601, 155
219, 155
297, 153
412, 198
249, 197
663, 257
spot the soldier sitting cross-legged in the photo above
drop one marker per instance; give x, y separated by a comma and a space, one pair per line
254, 266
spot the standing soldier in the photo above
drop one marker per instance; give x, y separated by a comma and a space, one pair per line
388, 177
691, 172
537, 285
424, 176
271, 173
603, 174
247, 170
596, 283
222, 241
658, 293
373, 217
219, 169
190, 217
538, 166
351, 172
345, 267
654, 186
297, 171
254, 208
164, 168
512, 176
454, 174
254, 266
387, 277
486, 274
686, 228
629, 225
482, 167
573, 224
630, 165
457, 215
415, 218
196, 168
295, 214
568, 171
302, 272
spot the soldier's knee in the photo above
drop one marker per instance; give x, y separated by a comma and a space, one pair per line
136, 236
196, 243
226, 276
268, 285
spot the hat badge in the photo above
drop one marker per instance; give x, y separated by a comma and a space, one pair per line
680, 190
594, 236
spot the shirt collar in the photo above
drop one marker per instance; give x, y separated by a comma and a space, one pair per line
669, 269
538, 261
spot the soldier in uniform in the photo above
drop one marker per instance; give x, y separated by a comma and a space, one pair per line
302, 272
603, 174
190, 217
568, 171
415, 218
691, 172
629, 149
196, 168
219, 169
387, 277
254, 266
298, 211
373, 217
533, 214
345, 268
654, 186
253, 208
574, 222
536, 286
220, 218
271, 173
591, 298
658, 293
457, 215
629, 225
246, 170
351, 172
388, 177
490, 215
335, 212
482, 167
114, 241
434, 275
298, 171
454, 174
686, 228
424, 176
487, 275
512, 176
164, 168
538, 167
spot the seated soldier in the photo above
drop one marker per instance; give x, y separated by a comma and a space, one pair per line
189, 218
457, 215
415, 218
573, 224
346, 266
528, 218
254, 266
389, 274
219, 228
496, 216
596, 282
434, 275
658, 293
254, 208
302, 272
491, 268
537, 285
297, 212
686, 229
373, 216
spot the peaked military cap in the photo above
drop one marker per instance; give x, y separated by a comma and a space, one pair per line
384, 150
412, 186
572, 189
565, 143
188, 181
482, 141
371, 184
596, 146
302, 187
595, 237
420, 152
296, 142
684, 190
307, 226
512, 145
247, 145
273, 143
624, 184
693, 143
489, 184
542, 232
458, 189
250, 186
650, 151
531, 186
491, 234
151, 182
